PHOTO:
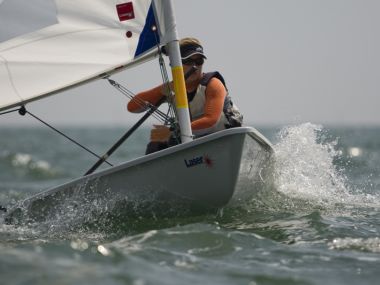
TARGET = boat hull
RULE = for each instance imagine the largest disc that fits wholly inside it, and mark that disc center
(199, 176)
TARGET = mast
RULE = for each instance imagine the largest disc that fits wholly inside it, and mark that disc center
(177, 73)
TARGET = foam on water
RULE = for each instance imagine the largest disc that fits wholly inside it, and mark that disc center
(42, 233)
(26, 164)
(305, 172)
(360, 244)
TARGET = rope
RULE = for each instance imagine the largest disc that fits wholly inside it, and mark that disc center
(22, 111)
(159, 115)
(165, 78)
(7, 112)
(172, 112)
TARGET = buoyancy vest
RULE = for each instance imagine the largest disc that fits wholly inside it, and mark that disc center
(229, 118)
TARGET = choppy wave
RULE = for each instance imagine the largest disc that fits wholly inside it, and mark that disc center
(295, 232)
(26, 165)
(188, 243)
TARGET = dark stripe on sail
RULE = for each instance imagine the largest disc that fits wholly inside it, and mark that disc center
(148, 37)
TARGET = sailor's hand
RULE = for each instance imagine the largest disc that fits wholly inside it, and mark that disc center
(160, 133)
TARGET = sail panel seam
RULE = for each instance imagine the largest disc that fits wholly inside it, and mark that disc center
(56, 36)
(11, 78)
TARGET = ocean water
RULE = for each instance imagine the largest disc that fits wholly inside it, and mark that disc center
(318, 222)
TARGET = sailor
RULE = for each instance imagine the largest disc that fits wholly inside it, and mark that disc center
(211, 108)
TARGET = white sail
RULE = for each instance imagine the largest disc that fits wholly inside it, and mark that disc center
(91, 38)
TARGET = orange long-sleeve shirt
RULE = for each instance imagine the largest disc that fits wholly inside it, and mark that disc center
(215, 95)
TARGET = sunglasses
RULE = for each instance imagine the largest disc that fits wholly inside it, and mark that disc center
(191, 61)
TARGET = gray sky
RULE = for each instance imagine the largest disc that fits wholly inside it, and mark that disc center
(285, 61)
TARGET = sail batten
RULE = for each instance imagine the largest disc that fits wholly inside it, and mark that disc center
(92, 38)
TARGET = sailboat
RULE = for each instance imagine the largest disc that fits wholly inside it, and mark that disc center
(92, 40)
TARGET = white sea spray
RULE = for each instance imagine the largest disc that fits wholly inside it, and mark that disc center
(305, 171)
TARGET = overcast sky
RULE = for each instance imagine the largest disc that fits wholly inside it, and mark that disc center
(285, 61)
